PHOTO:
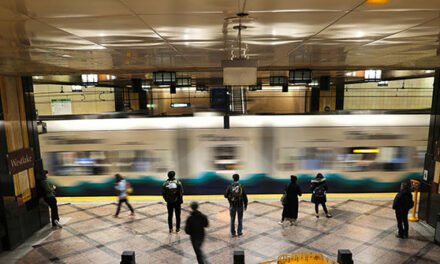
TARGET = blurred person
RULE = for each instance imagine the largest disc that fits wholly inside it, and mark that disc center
(121, 186)
(319, 196)
(172, 192)
(403, 202)
(238, 202)
(195, 227)
(290, 210)
(50, 199)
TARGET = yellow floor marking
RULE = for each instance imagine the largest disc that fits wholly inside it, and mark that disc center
(218, 197)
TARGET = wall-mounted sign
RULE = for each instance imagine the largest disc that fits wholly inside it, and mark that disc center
(20, 160)
(61, 107)
(425, 175)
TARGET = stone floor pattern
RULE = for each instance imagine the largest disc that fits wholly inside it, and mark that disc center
(367, 228)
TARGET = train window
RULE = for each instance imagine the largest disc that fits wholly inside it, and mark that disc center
(225, 158)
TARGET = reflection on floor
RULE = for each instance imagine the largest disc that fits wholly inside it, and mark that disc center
(367, 228)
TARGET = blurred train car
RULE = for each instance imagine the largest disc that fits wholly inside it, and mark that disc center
(357, 153)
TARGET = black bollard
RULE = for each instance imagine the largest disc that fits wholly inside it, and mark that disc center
(345, 256)
(128, 257)
(239, 257)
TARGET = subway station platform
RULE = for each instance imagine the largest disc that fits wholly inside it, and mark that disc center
(91, 235)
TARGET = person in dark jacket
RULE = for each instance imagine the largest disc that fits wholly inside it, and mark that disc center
(238, 202)
(195, 227)
(319, 194)
(172, 192)
(49, 198)
(290, 210)
(403, 202)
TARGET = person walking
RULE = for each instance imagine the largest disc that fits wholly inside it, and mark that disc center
(195, 227)
(121, 186)
(238, 202)
(50, 199)
(403, 202)
(319, 190)
(172, 192)
(290, 210)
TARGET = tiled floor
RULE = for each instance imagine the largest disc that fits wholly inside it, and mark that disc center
(367, 228)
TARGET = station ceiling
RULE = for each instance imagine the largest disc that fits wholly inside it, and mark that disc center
(123, 36)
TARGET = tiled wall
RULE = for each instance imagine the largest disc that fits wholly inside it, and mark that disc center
(90, 101)
(400, 94)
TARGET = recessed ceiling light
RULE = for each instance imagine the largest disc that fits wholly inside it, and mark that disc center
(360, 34)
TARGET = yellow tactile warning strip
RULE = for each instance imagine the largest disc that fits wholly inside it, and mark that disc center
(218, 197)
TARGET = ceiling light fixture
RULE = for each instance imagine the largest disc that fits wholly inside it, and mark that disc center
(373, 75)
(240, 71)
(89, 79)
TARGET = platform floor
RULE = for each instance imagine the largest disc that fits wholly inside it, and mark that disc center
(366, 227)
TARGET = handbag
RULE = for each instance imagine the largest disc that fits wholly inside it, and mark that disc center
(284, 199)
(129, 188)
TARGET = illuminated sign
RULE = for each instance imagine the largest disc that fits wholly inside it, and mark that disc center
(363, 151)
(174, 105)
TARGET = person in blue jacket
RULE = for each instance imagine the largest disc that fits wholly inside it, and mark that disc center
(403, 202)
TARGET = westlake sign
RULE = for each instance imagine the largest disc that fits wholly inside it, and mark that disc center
(20, 160)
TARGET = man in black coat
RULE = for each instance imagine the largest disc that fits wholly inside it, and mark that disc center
(195, 227)
(402, 203)
(238, 202)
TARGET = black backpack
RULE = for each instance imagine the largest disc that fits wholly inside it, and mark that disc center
(172, 192)
(235, 193)
(319, 191)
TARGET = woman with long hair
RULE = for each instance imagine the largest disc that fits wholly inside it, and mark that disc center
(121, 188)
(290, 211)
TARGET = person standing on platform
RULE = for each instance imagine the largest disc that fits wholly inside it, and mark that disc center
(238, 202)
(172, 192)
(403, 202)
(49, 198)
(319, 190)
(290, 211)
(195, 227)
(121, 186)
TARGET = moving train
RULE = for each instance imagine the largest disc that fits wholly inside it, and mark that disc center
(357, 153)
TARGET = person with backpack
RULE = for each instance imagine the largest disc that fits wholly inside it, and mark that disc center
(403, 202)
(172, 192)
(50, 199)
(195, 227)
(122, 188)
(319, 190)
(238, 202)
(290, 210)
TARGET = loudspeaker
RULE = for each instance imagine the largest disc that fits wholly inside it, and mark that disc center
(238, 257)
(324, 83)
(172, 89)
(437, 231)
(285, 88)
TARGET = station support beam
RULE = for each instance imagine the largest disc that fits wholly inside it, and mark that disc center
(429, 205)
(340, 86)
(22, 212)
(314, 102)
